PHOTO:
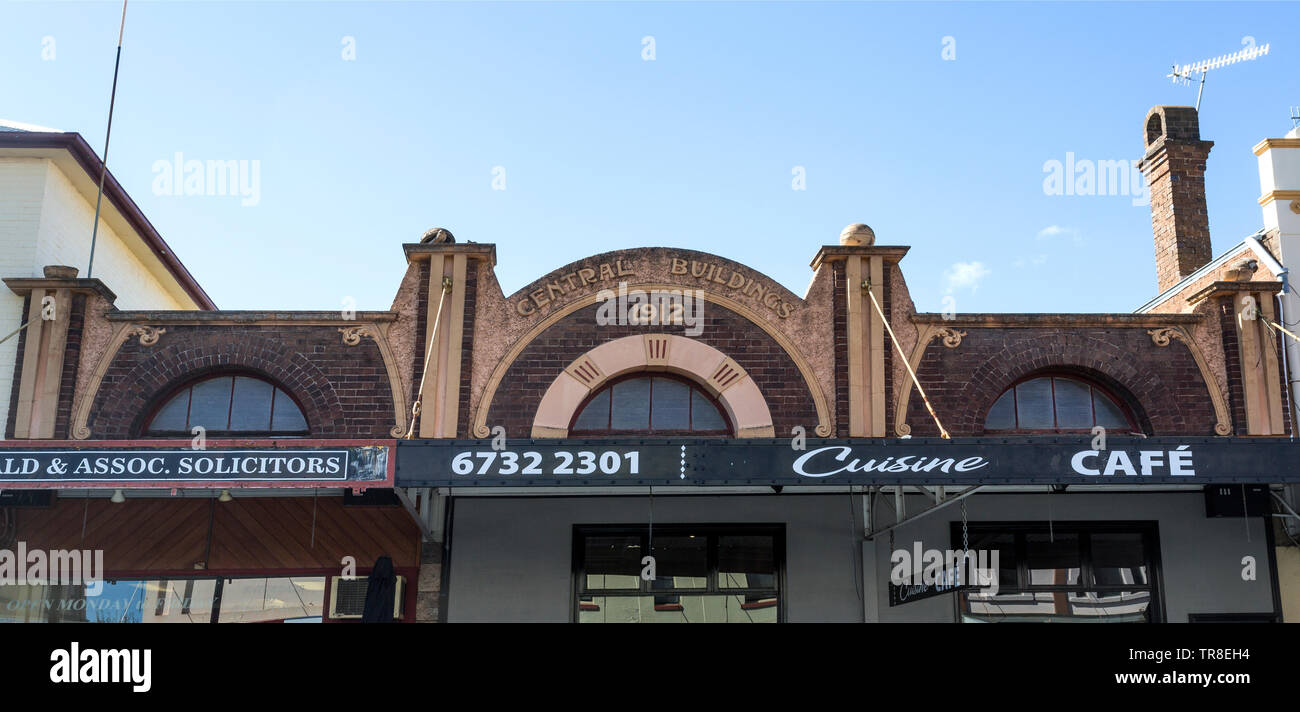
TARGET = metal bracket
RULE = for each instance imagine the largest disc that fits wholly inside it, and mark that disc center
(904, 519)
(424, 504)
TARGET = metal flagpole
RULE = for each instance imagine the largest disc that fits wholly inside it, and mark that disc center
(103, 163)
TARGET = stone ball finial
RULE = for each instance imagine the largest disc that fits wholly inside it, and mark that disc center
(438, 236)
(857, 235)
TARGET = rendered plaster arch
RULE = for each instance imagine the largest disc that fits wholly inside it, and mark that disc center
(709, 367)
(823, 428)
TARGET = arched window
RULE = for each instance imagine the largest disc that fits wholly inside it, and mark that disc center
(1055, 404)
(228, 405)
(650, 404)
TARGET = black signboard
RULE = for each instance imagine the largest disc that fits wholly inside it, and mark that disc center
(141, 466)
(689, 462)
(898, 595)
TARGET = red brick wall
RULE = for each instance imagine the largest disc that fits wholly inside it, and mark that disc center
(1161, 385)
(467, 349)
(1232, 361)
(840, 316)
(890, 354)
(68, 379)
(421, 330)
(773, 371)
(344, 390)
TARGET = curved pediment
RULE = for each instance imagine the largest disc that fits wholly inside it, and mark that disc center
(656, 266)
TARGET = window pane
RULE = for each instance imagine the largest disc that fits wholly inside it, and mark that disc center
(178, 601)
(631, 405)
(1052, 561)
(1058, 606)
(174, 601)
(747, 561)
(1034, 404)
(1002, 416)
(1073, 404)
(1119, 559)
(686, 609)
(260, 600)
(1005, 546)
(172, 415)
(287, 417)
(252, 406)
(210, 404)
(670, 405)
(1108, 414)
(1123, 607)
(705, 415)
(680, 562)
(596, 415)
(613, 562)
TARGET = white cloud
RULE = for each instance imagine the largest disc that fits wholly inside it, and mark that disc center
(1052, 231)
(1035, 260)
(965, 275)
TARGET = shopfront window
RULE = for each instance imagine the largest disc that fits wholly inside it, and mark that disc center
(228, 405)
(1065, 572)
(277, 599)
(660, 405)
(702, 575)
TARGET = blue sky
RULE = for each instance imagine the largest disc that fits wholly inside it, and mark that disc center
(602, 149)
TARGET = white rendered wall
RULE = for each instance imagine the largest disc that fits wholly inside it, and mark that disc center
(45, 221)
(1279, 169)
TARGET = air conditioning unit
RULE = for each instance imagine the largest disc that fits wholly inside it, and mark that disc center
(348, 597)
(1237, 501)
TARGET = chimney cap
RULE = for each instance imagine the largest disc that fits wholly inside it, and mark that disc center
(1172, 123)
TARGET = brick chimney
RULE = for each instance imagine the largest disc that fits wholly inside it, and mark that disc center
(1174, 166)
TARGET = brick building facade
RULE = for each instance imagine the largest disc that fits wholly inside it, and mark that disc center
(456, 359)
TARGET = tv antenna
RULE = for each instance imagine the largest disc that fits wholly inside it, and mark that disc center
(1187, 72)
(1295, 117)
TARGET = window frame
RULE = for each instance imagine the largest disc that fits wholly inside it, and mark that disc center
(608, 386)
(220, 580)
(1095, 389)
(146, 429)
(712, 532)
(1148, 530)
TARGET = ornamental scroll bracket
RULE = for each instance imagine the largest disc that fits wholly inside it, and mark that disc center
(148, 334)
(951, 337)
(352, 336)
(1161, 337)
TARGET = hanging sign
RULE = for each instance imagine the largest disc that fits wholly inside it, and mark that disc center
(906, 593)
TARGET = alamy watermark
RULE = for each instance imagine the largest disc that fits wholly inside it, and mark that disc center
(180, 176)
(1082, 176)
(946, 568)
(56, 567)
